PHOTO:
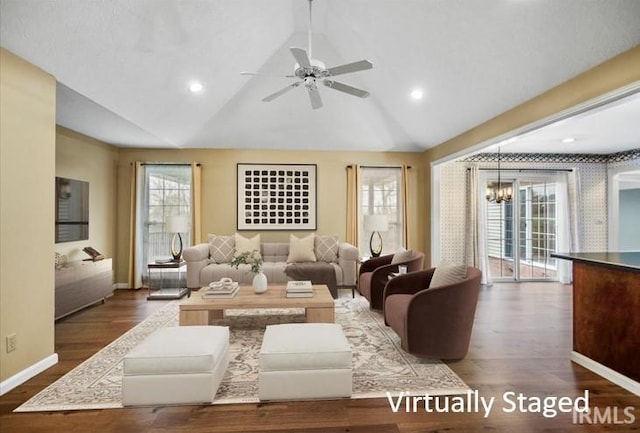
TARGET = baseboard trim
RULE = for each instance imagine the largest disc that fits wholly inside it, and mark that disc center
(120, 286)
(611, 375)
(28, 373)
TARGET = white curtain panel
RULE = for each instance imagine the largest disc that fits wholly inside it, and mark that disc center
(476, 223)
(563, 224)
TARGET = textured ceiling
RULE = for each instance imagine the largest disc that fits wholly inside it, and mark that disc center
(123, 66)
(610, 128)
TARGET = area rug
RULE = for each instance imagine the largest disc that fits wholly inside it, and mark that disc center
(379, 364)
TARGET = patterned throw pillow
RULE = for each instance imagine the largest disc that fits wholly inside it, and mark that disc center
(446, 274)
(301, 250)
(326, 248)
(243, 244)
(401, 256)
(221, 248)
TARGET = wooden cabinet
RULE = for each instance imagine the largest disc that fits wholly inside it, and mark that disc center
(80, 284)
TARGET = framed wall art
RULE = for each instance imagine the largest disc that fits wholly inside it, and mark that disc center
(277, 196)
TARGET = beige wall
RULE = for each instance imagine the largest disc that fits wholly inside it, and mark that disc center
(613, 74)
(219, 189)
(27, 171)
(84, 158)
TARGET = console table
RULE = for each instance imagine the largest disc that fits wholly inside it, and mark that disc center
(80, 284)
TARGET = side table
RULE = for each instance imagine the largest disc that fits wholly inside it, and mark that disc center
(166, 292)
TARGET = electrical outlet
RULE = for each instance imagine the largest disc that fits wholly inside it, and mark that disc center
(12, 341)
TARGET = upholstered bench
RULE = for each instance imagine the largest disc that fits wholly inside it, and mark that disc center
(304, 361)
(183, 364)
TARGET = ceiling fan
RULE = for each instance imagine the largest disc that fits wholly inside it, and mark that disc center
(311, 72)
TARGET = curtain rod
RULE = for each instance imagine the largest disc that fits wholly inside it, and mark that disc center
(525, 169)
(379, 166)
(186, 164)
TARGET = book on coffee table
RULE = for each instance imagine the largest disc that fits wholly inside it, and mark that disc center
(218, 294)
(299, 289)
(299, 294)
(299, 286)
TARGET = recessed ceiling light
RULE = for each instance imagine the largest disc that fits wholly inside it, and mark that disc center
(195, 87)
(417, 94)
(568, 140)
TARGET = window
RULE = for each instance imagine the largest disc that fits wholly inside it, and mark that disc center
(381, 193)
(167, 193)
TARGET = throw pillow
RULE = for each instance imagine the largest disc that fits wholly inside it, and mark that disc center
(221, 248)
(326, 248)
(446, 274)
(301, 250)
(243, 244)
(402, 255)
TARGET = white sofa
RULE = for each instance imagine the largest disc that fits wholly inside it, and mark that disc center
(201, 270)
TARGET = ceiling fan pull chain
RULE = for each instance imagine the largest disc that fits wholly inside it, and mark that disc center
(310, 56)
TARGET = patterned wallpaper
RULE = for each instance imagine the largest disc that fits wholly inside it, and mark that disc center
(589, 192)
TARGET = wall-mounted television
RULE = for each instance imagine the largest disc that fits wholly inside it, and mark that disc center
(72, 210)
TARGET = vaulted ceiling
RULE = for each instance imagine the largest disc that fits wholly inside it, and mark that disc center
(124, 66)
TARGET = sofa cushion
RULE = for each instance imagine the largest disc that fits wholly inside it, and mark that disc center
(326, 248)
(301, 249)
(446, 274)
(221, 248)
(247, 245)
(275, 251)
(402, 256)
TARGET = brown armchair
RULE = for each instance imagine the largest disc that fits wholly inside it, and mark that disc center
(432, 322)
(374, 274)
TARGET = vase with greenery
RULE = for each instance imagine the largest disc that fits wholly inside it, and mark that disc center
(254, 259)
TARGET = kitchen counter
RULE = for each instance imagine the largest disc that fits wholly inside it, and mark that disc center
(606, 315)
(621, 260)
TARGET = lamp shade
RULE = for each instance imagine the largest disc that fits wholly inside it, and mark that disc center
(176, 224)
(376, 223)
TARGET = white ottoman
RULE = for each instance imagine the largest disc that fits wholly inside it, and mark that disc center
(182, 364)
(304, 361)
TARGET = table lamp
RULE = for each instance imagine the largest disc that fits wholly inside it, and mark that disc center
(376, 224)
(176, 224)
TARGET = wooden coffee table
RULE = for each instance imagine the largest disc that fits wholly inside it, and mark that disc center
(198, 311)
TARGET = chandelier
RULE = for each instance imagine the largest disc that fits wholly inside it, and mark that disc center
(496, 191)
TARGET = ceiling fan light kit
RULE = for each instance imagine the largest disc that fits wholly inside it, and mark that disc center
(310, 71)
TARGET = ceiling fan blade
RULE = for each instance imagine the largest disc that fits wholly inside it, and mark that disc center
(259, 74)
(301, 57)
(347, 68)
(281, 91)
(346, 88)
(314, 96)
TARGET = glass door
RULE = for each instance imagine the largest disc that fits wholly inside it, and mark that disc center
(521, 233)
(500, 240)
(537, 229)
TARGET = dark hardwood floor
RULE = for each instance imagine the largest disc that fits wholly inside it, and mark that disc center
(521, 343)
